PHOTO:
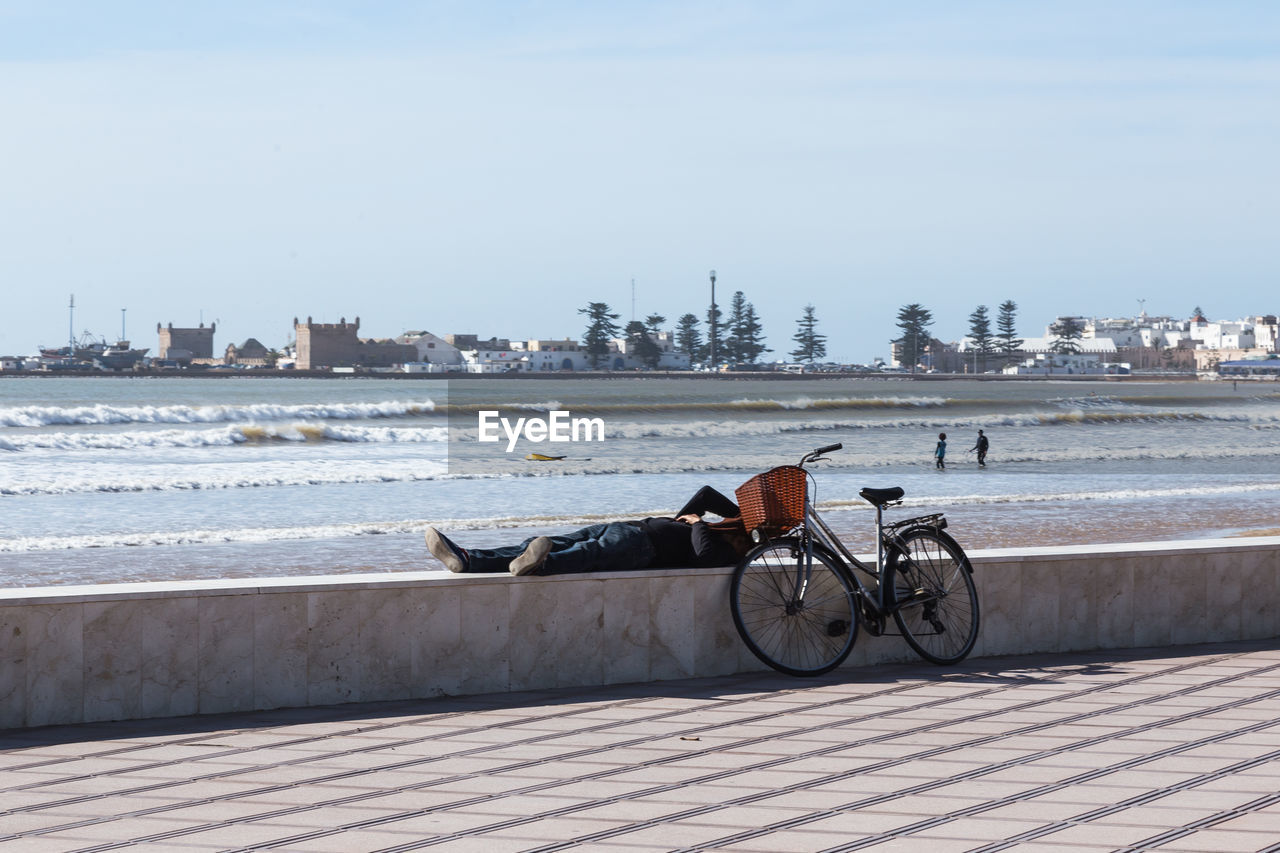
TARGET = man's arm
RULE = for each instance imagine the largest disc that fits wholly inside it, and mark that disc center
(710, 548)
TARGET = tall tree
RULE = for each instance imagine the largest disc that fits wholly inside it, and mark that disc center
(600, 330)
(715, 329)
(983, 342)
(733, 326)
(654, 324)
(1067, 331)
(1006, 323)
(689, 336)
(914, 321)
(641, 345)
(750, 336)
(810, 346)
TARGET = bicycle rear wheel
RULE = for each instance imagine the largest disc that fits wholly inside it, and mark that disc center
(797, 627)
(930, 589)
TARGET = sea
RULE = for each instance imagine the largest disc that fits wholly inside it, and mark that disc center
(118, 478)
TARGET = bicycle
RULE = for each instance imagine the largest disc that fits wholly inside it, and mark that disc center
(797, 602)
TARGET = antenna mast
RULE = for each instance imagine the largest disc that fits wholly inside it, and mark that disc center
(633, 300)
(71, 328)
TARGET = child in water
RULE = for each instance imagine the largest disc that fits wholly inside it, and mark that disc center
(940, 452)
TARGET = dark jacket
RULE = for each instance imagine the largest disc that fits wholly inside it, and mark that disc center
(680, 545)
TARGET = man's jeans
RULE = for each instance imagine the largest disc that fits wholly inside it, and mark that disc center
(614, 547)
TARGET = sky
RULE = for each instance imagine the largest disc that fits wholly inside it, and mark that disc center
(492, 167)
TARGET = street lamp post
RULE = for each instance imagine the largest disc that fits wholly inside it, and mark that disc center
(713, 321)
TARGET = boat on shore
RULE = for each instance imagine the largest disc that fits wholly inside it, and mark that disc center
(99, 353)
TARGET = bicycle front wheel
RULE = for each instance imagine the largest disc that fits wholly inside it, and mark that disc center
(796, 621)
(930, 589)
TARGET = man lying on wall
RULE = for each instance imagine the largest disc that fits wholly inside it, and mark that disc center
(682, 541)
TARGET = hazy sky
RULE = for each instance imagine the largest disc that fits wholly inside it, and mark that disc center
(491, 167)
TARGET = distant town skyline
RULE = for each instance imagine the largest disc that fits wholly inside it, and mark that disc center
(492, 167)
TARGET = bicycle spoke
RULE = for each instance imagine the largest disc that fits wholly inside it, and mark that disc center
(935, 602)
(798, 634)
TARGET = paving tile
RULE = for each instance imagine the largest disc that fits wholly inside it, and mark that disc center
(555, 829)
(978, 829)
(358, 841)
(672, 835)
(475, 769)
(790, 841)
(1089, 833)
(38, 844)
(1222, 841)
(1155, 816)
(1259, 821)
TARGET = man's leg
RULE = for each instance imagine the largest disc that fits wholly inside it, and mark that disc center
(493, 559)
(608, 547)
(708, 499)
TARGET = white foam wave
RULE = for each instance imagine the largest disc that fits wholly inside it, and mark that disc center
(803, 403)
(39, 416)
(1047, 497)
(222, 437)
(285, 473)
(248, 535)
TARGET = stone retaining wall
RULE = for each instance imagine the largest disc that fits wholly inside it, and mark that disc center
(131, 651)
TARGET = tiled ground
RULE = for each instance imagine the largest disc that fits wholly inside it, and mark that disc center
(1175, 750)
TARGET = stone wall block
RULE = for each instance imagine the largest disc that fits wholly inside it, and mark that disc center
(1000, 600)
(226, 653)
(672, 642)
(280, 637)
(625, 640)
(170, 660)
(1259, 582)
(1188, 587)
(1115, 596)
(112, 660)
(13, 667)
(387, 627)
(1152, 610)
(1043, 587)
(55, 664)
(1224, 589)
(484, 651)
(333, 648)
(717, 640)
(1078, 597)
(556, 633)
(437, 641)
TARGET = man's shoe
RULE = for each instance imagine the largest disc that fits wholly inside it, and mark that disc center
(442, 548)
(532, 558)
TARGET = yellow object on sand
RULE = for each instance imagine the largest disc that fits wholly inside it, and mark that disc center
(538, 457)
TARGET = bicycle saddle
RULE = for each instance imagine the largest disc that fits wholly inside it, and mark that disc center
(880, 497)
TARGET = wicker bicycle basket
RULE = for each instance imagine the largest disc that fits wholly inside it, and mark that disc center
(773, 502)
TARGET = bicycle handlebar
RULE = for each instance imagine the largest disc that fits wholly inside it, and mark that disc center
(815, 455)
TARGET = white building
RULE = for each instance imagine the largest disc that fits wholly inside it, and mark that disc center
(495, 361)
(432, 349)
(1049, 364)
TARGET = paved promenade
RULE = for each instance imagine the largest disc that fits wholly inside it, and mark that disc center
(1159, 749)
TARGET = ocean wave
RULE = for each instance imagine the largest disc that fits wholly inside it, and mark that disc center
(253, 433)
(222, 437)
(41, 416)
(1049, 497)
(695, 406)
(251, 535)
(80, 479)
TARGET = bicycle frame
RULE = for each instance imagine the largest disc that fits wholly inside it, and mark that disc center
(816, 529)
